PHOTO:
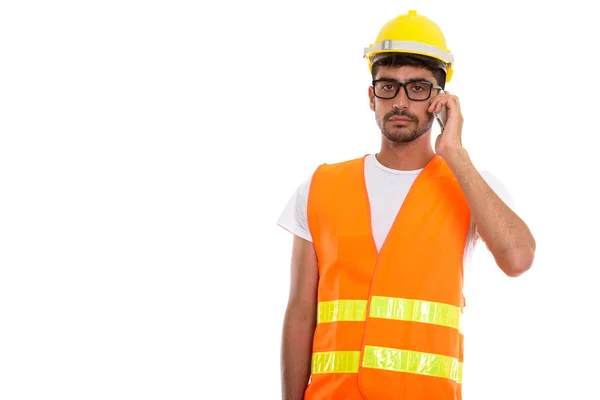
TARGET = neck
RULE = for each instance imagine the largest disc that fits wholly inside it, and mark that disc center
(406, 156)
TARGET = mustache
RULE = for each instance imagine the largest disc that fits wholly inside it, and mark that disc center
(401, 113)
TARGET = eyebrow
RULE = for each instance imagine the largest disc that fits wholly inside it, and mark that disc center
(411, 80)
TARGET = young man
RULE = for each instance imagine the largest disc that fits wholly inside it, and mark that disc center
(380, 241)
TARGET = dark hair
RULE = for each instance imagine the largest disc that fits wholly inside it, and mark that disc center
(414, 60)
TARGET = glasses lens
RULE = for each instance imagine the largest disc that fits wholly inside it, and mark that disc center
(418, 90)
(386, 90)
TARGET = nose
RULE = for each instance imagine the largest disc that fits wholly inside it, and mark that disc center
(401, 100)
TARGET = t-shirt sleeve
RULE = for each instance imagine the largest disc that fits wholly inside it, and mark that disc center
(294, 217)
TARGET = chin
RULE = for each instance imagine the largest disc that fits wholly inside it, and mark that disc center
(399, 138)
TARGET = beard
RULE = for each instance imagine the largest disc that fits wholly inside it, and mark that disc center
(404, 133)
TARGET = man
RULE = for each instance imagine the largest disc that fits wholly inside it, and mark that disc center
(380, 241)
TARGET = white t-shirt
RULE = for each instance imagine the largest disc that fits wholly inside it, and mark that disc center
(387, 189)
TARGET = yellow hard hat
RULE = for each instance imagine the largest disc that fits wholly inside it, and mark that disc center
(415, 34)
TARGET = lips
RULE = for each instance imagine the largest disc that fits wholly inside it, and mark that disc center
(400, 121)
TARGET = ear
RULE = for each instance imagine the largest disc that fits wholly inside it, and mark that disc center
(371, 98)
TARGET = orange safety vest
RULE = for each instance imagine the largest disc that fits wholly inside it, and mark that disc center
(388, 323)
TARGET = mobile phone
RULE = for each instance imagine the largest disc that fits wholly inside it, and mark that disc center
(441, 117)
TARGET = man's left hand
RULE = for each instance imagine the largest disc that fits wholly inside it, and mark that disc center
(450, 140)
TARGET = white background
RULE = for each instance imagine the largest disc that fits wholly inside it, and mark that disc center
(147, 149)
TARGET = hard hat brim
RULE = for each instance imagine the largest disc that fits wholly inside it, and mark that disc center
(409, 47)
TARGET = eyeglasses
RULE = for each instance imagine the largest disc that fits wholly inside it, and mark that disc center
(416, 90)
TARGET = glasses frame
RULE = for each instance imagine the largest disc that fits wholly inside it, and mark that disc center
(403, 85)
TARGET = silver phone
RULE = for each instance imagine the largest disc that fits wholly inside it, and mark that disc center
(441, 117)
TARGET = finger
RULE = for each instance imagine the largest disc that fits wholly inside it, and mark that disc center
(433, 101)
(440, 104)
(454, 103)
(433, 106)
(451, 102)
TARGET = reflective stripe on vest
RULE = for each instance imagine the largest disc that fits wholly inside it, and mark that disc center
(428, 312)
(388, 359)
